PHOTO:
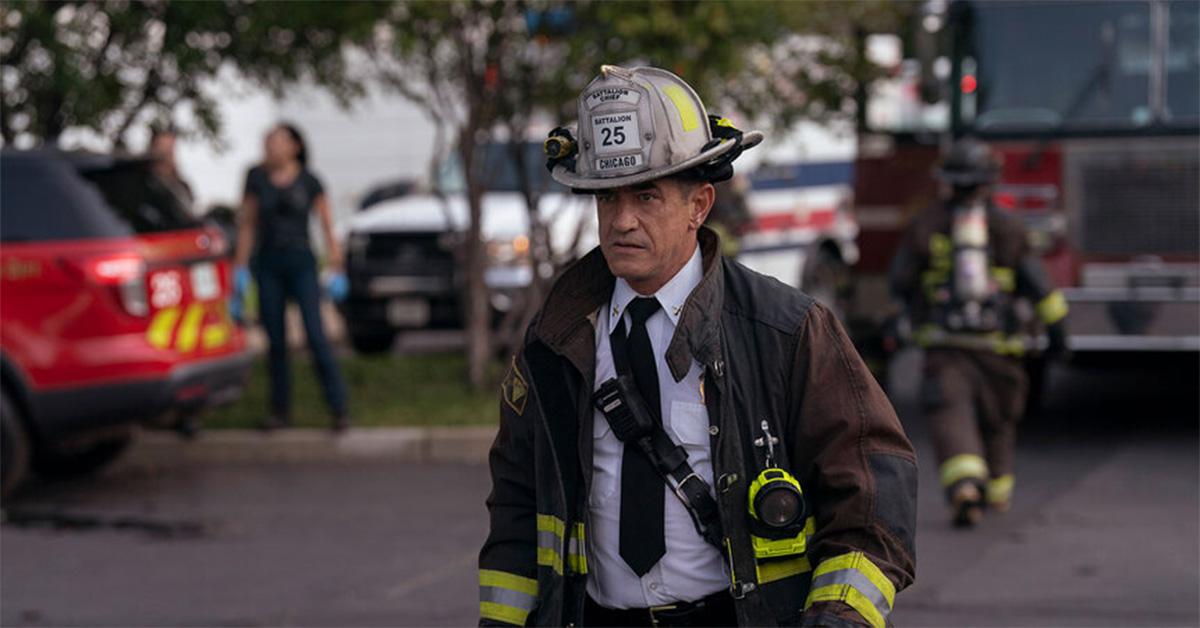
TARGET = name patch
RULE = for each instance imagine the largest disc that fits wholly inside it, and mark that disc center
(611, 94)
(614, 163)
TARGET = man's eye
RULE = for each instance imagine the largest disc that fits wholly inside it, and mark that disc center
(645, 197)
(604, 198)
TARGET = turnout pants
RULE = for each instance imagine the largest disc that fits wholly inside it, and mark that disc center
(973, 400)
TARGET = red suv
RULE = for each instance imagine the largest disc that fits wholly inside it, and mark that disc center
(113, 311)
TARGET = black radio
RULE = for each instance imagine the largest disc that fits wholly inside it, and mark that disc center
(618, 400)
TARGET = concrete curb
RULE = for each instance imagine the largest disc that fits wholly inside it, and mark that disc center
(385, 444)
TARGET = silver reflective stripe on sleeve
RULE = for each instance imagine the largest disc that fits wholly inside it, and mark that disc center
(860, 582)
(507, 597)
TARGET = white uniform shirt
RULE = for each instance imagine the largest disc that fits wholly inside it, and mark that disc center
(691, 568)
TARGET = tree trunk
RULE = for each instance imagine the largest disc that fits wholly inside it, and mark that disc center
(477, 306)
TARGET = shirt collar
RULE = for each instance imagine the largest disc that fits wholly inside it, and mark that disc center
(671, 296)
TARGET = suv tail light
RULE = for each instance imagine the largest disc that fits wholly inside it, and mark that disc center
(125, 273)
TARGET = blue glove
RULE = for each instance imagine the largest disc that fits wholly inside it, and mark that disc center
(241, 284)
(338, 287)
(241, 281)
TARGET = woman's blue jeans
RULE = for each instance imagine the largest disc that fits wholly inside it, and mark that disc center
(284, 274)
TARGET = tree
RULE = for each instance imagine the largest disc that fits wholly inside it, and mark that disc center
(107, 66)
(447, 57)
(478, 68)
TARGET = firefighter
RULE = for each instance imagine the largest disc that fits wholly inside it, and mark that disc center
(683, 441)
(960, 272)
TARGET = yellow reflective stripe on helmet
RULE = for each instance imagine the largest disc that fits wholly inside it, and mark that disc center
(999, 490)
(1005, 278)
(1053, 308)
(506, 597)
(161, 326)
(688, 116)
(854, 580)
(961, 467)
(189, 329)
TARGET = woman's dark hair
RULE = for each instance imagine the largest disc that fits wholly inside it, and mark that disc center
(298, 138)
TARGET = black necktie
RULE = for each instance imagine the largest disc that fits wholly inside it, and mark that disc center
(642, 543)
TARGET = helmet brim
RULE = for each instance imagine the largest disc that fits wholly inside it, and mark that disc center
(561, 174)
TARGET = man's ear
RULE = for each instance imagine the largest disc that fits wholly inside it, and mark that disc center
(700, 203)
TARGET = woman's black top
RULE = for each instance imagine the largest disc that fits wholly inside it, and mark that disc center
(282, 211)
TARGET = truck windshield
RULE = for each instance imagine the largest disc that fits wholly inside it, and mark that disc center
(1082, 65)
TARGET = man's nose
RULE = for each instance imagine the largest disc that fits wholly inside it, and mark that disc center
(626, 218)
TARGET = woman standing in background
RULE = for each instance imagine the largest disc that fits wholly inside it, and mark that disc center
(273, 242)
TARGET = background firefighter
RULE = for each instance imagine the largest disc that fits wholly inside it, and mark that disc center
(960, 274)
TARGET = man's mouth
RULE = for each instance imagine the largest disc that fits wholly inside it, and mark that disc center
(627, 246)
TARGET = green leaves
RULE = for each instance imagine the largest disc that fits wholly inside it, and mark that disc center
(108, 65)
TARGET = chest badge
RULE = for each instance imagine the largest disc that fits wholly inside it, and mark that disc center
(514, 390)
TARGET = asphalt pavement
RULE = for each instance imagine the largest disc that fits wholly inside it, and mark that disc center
(1103, 531)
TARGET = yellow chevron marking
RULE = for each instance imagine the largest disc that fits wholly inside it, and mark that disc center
(159, 332)
(189, 329)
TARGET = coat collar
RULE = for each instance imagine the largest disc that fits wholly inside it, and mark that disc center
(567, 323)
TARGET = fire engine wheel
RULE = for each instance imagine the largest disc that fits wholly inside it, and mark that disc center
(14, 448)
(80, 462)
(827, 280)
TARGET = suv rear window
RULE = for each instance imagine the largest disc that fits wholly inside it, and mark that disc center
(139, 199)
(43, 198)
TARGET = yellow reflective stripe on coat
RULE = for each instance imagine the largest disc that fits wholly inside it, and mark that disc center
(996, 342)
(1005, 278)
(1053, 308)
(506, 597)
(999, 490)
(577, 550)
(550, 535)
(961, 467)
(854, 580)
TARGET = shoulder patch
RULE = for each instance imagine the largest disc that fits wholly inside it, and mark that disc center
(514, 390)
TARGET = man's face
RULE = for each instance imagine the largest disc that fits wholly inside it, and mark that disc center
(648, 231)
(163, 149)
